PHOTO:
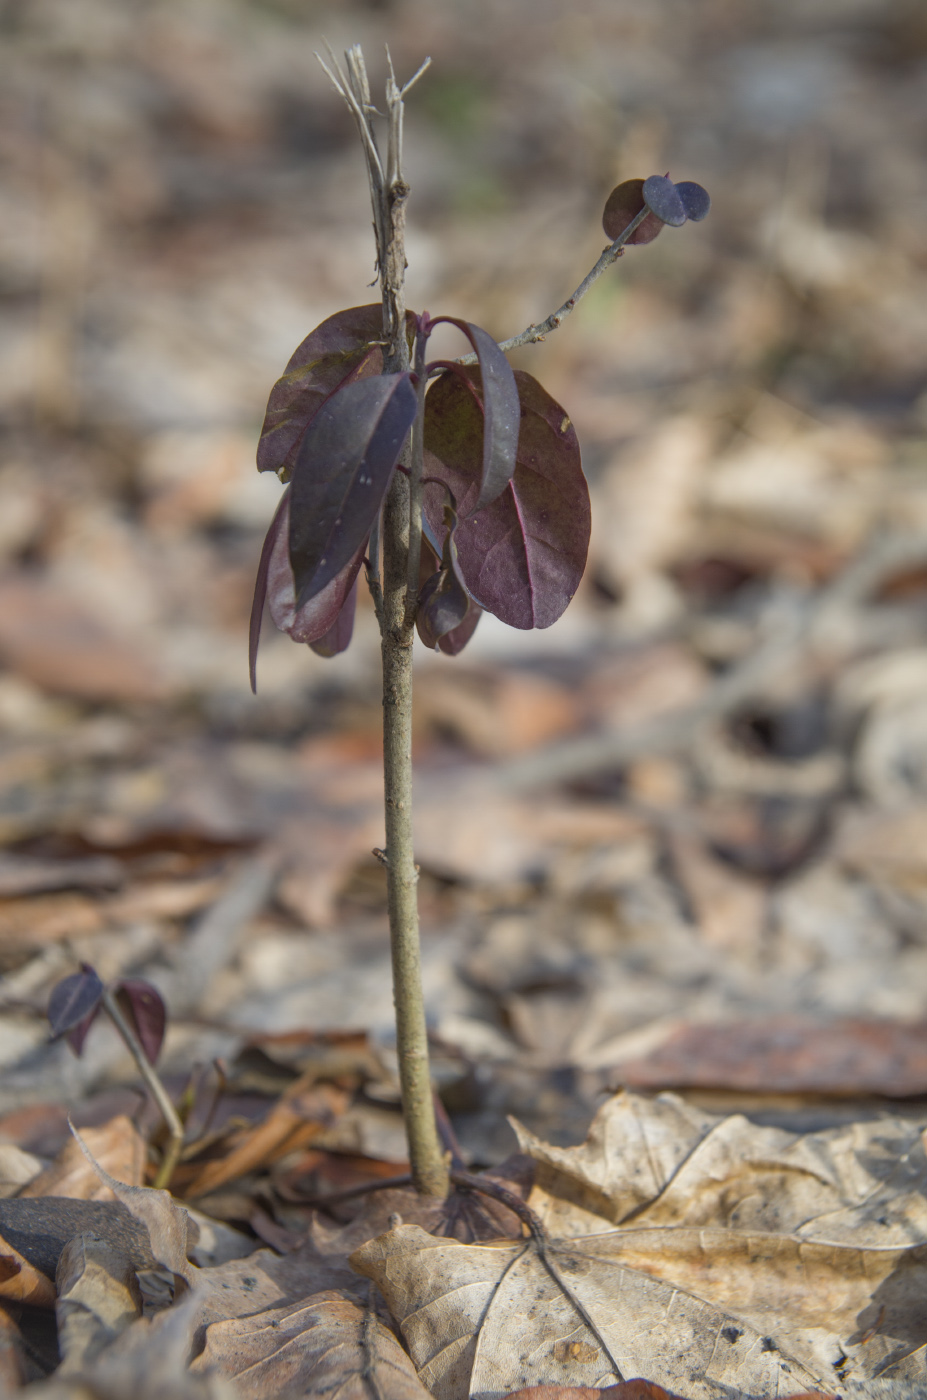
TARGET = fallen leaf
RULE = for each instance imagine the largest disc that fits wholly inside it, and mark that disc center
(21, 1282)
(98, 1296)
(165, 1222)
(326, 1343)
(40, 1228)
(491, 1318)
(297, 1119)
(788, 1055)
(117, 1146)
(662, 1162)
(12, 1358)
(691, 1309)
(61, 646)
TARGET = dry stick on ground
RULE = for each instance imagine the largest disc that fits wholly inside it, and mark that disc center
(389, 192)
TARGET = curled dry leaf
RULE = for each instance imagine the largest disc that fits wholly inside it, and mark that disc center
(323, 1345)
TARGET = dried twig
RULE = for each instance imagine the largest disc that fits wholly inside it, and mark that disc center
(532, 334)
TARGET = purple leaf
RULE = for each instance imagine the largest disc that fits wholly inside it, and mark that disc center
(443, 603)
(695, 199)
(274, 585)
(624, 204)
(278, 527)
(344, 465)
(74, 1000)
(338, 637)
(453, 643)
(501, 411)
(334, 354)
(523, 555)
(143, 1008)
(663, 199)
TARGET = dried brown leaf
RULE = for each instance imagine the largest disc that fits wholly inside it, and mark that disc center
(664, 1162)
(300, 1117)
(326, 1343)
(21, 1282)
(692, 1310)
(117, 1147)
(165, 1222)
(98, 1297)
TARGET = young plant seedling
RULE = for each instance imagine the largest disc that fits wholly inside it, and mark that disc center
(138, 1013)
(456, 485)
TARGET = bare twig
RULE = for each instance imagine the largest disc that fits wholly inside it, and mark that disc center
(532, 334)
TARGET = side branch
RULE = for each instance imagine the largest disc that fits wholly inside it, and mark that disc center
(532, 334)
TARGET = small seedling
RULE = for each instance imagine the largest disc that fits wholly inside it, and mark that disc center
(137, 1011)
(455, 485)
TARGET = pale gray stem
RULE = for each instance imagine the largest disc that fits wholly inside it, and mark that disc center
(532, 334)
(155, 1088)
(389, 193)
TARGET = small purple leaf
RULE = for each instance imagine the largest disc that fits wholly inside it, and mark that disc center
(453, 643)
(336, 353)
(663, 199)
(695, 199)
(443, 603)
(501, 411)
(344, 466)
(74, 1000)
(143, 1008)
(314, 619)
(338, 637)
(523, 555)
(278, 527)
(622, 206)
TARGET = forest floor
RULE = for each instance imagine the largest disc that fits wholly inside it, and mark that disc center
(676, 846)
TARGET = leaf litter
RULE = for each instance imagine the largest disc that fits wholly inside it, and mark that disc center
(722, 894)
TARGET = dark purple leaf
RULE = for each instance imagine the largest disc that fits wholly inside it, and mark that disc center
(78, 1035)
(143, 1008)
(335, 353)
(663, 199)
(73, 1000)
(695, 199)
(523, 555)
(442, 606)
(443, 603)
(344, 465)
(501, 411)
(624, 204)
(338, 637)
(453, 643)
(275, 585)
(278, 528)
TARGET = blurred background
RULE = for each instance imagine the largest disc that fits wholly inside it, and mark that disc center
(678, 840)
